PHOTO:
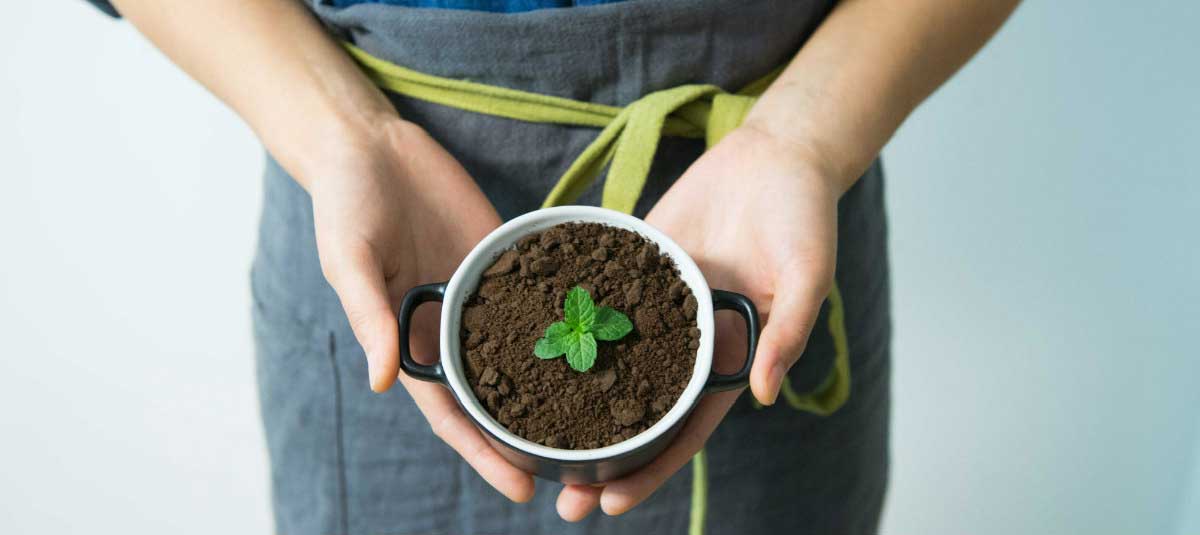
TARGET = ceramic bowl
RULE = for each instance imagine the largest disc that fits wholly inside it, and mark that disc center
(573, 466)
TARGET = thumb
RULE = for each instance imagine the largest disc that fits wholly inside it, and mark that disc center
(357, 276)
(794, 310)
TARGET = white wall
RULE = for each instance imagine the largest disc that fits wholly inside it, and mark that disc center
(1045, 209)
(128, 201)
(1047, 284)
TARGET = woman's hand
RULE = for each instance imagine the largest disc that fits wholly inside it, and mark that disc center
(394, 210)
(759, 216)
(758, 212)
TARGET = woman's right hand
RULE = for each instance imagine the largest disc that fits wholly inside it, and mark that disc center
(393, 210)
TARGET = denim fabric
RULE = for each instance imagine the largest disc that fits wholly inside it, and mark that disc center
(345, 460)
(498, 6)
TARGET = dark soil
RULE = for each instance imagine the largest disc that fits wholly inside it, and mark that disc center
(635, 380)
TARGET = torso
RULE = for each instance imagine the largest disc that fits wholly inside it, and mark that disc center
(346, 460)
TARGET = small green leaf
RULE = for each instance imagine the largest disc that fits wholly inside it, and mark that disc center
(583, 324)
(579, 311)
(581, 353)
(545, 349)
(555, 341)
(610, 324)
(558, 329)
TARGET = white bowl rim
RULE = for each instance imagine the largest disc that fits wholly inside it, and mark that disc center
(467, 276)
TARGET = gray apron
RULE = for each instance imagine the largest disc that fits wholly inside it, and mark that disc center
(345, 460)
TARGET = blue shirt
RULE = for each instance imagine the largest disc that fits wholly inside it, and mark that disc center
(497, 6)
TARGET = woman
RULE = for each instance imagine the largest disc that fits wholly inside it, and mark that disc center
(368, 193)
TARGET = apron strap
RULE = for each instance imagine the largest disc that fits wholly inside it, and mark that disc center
(626, 145)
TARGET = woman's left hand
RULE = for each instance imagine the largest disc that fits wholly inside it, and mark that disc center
(759, 216)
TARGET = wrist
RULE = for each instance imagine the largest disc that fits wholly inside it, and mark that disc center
(811, 154)
(336, 143)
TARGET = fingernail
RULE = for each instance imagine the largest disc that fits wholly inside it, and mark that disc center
(372, 378)
(775, 379)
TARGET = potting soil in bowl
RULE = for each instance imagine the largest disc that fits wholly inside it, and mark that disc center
(635, 380)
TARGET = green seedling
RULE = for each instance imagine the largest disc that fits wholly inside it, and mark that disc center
(583, 323)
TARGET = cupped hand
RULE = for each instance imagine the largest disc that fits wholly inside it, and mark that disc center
(759, 216)
(392, 211)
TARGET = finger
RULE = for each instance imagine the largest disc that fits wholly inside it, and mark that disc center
(623, 494)
(575, 502)
(794, 311)
(357, 276)
(452, 426)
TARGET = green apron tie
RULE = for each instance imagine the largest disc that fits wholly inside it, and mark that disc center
(629, 137)
(626, 145)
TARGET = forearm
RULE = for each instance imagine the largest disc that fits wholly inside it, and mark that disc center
(273, 63)
(865, 69)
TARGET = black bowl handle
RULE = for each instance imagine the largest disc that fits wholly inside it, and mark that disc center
(416, 297)
(723, 300)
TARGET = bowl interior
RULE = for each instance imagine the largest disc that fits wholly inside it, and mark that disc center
(467, 277)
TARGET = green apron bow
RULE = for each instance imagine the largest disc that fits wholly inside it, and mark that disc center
(628, 142)
(629, 137)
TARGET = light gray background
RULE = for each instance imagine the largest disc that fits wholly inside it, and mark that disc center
(1044, 207)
